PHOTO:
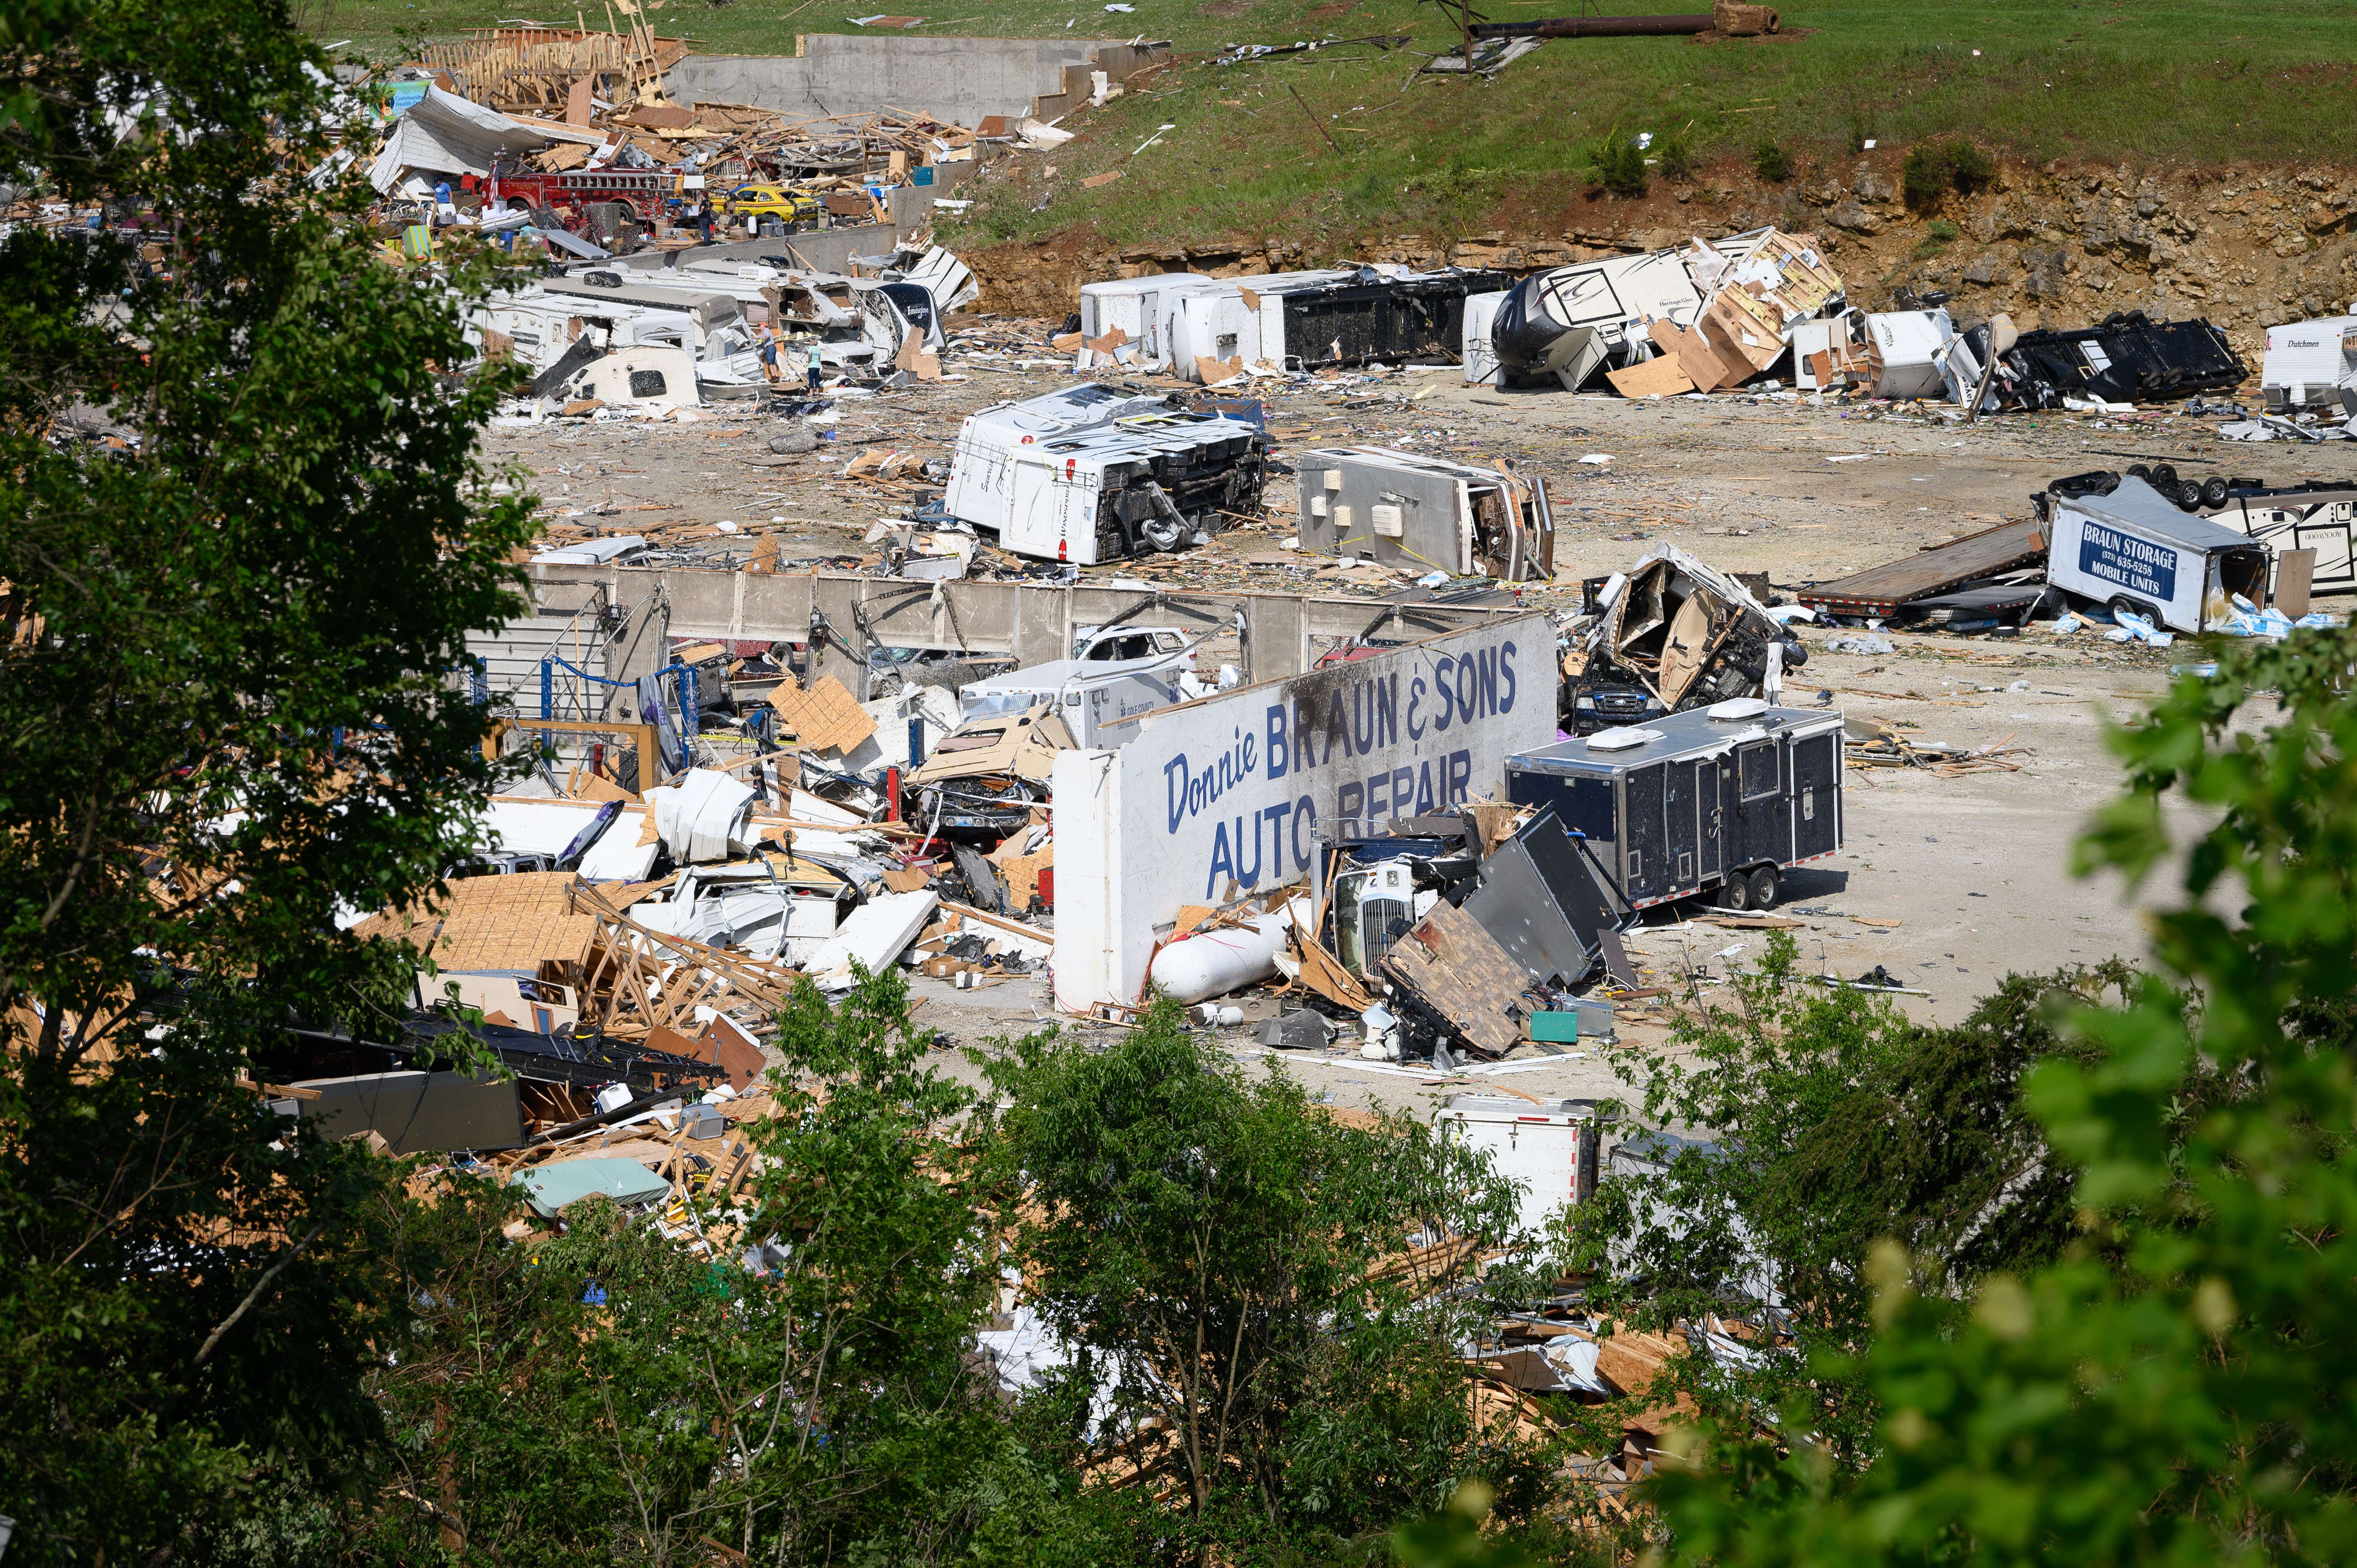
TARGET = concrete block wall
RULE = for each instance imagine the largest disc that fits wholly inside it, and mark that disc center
(958, 81)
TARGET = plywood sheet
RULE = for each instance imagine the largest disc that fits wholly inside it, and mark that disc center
(494, 922)
(1458, 971)
(824, 717)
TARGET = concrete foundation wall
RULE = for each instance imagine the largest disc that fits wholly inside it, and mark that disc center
(958, 81)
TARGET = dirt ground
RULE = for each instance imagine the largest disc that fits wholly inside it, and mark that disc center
(1970, 876)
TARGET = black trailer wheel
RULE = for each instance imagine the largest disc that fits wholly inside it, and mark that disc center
(1764, 886)
(1736, 892)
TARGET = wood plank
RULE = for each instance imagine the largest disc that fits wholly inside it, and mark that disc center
(2008, 547)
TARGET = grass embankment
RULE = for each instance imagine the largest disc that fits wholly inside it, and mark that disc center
(1347, 142)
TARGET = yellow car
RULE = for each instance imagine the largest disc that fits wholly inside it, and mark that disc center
(767, 201)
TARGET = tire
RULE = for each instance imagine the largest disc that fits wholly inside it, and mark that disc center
(2163, 477)
(2213, 491)
(1735, 894)
(1765, 887)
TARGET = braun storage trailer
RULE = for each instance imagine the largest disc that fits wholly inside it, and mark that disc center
(1724, 797)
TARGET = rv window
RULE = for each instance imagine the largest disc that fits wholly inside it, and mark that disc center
(1758, 765)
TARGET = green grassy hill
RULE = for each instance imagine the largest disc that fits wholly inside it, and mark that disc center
(1351, 139)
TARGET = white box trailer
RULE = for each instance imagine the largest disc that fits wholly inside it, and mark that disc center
(1548, 1150)
(1424, 513)
(2306, 361)
(2133, 549)
(1091, 474)
(1142, 308)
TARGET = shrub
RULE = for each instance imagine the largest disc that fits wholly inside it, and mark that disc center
(1969, 169)
(1618, 164)
(1924, 179)
(1676, 152)
(1772, 163)
(1933, 168)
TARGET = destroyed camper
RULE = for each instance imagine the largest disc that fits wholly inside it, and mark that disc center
(1093, 473)
(1726, 798)
(1425, 514)
(1673, 634)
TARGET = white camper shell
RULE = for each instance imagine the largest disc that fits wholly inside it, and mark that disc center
(1090, 474)
(1424, 513)
(2309, 362)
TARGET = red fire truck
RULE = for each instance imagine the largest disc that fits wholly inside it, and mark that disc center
(644, 193)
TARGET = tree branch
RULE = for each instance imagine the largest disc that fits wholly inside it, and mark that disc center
(204, 1352)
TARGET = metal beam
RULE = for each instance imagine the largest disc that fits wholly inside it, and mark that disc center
(1027, 621)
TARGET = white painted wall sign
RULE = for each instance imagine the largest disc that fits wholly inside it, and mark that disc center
(1226, 789)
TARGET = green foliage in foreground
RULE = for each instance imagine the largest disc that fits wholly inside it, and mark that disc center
(2173, 1387)
(227, 636)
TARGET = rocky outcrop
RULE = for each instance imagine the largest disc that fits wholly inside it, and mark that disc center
(2052, 245)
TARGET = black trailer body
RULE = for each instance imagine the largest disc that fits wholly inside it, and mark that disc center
(1381, 320)
(1711, 798)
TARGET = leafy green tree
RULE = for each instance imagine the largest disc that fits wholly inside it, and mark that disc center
(1232, 1264)
(242, 539)
(1834, 1121)
(799, 1392)
(2173, 1388)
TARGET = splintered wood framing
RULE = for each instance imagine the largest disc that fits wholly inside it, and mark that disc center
(637, 980)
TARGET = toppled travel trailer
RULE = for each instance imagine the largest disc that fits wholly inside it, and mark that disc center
(2309, 363)
(1374, 317)
(2131, 548)
(1140, 309)
(642, 378)
(1315, 320)
(1091, 474)
(1426, 513)
(2317, 519)
(2129, 357)
(1673, 634)
(1722, 799)
(1573, 321)
(1726, 308)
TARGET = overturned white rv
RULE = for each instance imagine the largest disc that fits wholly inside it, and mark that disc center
(1092, 474)
(1139, 310)
(1571, 322)
(1726, 308)
(1425, 514)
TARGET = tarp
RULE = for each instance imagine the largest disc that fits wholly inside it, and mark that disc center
(443, 133)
